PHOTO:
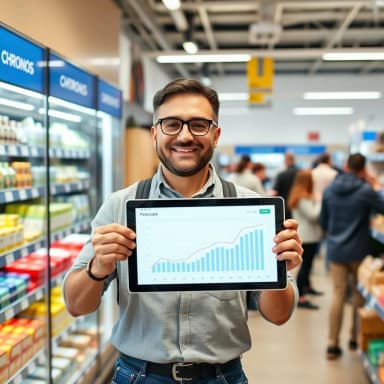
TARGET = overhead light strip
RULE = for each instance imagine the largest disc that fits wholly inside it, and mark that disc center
(369, 95)
(353, 56)
(233, 96)
(173, 59)
(323, 111)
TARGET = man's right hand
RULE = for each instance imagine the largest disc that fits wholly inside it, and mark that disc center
(111, 243)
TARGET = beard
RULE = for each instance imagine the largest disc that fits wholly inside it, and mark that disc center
(180, 170)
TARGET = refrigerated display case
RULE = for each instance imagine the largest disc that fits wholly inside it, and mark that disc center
(24, 344)
(52, 180)
(111, 146)
(72, 184)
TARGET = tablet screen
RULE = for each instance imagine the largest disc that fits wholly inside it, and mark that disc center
(205, 244)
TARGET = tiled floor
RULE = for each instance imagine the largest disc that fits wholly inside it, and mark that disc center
(295, 352)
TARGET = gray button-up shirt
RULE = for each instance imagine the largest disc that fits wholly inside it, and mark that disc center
(180, 326)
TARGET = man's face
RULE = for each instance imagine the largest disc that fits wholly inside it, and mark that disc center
(185, 154)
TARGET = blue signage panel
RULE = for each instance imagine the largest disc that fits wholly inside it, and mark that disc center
(296, 149)
(109, 99)
(21, 62)
(369, 136)
(70, 83)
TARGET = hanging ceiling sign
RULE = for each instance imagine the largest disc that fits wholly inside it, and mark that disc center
(70, 83)
(109, 99)
(260, 80)
(22, 62)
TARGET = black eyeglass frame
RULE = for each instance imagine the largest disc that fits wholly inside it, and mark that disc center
(210, 122)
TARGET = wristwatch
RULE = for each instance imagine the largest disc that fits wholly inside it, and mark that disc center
(91, 275)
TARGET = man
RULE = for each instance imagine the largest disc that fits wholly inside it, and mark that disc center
(347, 206)
(243, 175)
(323, 174)
(179, 336)
(284, 180)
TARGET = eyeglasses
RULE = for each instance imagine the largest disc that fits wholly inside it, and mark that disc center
(172, 126)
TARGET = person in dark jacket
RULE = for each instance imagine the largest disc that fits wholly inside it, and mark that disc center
(347, 206)
(284, 181)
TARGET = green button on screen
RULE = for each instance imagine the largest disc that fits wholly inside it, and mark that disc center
(264, 211)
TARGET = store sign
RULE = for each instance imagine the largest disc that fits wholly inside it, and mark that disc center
(21, 62)
(70, 83)
(296, 149)
(109, 99)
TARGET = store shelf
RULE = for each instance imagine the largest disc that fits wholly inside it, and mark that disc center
(21, 150)
(21, 304)
(371, 301)
(86, 366)
(59, 153)
(58, 189)
(79, 227)
(12, 195)
(19, 376)
(18, 253)
(370, 369)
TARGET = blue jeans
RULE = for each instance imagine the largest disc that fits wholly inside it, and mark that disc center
(134, 372)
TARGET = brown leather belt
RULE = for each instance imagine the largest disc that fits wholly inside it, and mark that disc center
(185, 371)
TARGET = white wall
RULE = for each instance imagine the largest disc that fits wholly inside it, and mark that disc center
(243, 125)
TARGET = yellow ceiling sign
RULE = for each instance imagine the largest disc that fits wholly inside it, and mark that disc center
(260, 79)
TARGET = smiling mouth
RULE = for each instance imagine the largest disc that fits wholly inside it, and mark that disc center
(184, 150)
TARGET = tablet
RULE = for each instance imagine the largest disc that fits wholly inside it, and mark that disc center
(205, 244)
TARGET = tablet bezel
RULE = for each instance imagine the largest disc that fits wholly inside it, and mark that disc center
(134, 286)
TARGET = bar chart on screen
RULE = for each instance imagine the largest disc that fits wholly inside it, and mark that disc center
(230, 245)
(246, 253)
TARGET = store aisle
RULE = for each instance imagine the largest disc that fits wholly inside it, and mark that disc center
(295, 352)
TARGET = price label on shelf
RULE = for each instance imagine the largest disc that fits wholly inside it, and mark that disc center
(24, 151)
(8, 196)
(12, 149)
(10, 313)
(23, 194)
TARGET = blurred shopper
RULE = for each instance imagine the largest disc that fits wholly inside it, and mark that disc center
(284, 180)
(305, 209)
(260, 171)
(243, 176)
(323, 174)
(347, 206)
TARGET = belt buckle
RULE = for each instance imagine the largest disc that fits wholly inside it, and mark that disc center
(175, 373)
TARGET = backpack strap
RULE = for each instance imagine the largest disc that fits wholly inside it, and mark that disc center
(229, 189)
(143, 189)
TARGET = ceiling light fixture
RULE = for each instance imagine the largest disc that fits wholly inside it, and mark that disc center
(323, 111)
(190, 47)
(17, 104)
(233, 96)
(353, 56)
(225, 58)
(172, 5)
(370, 95)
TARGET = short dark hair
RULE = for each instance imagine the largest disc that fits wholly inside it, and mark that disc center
(324, 158)
(356, 162)
(183, 86)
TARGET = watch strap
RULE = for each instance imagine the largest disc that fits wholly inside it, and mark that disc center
(91, 275)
